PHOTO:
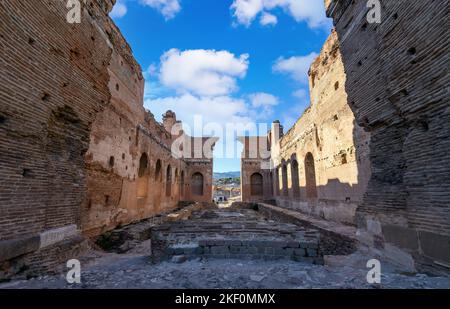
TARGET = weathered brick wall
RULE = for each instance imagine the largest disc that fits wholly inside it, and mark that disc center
(326, 131)
(397, 84)
(72, 132)
(53, 80)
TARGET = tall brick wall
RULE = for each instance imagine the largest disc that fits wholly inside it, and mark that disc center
(397, 86)
(72, 132)
(53, 79)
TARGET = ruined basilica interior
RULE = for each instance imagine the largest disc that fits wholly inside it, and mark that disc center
(84, 165)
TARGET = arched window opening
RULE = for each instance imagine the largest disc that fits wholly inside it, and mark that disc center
(285, 180)
(256, 184)
(310, 174)
(142, 185)
(182, 184)
(158, 174)
(295, 179)
(197, 184)
(169, 181)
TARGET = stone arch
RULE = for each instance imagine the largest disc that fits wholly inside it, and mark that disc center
(158, 173)
(256, 184)
(169, 181)
(197, 184)
(310, 176)
(142, 185)
(295, 179)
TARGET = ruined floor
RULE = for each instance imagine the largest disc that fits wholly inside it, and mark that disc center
(196, 251)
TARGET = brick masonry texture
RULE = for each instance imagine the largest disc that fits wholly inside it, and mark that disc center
(373, 148)
(77, 146)
(397, 86)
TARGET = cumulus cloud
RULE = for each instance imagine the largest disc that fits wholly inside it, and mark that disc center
(202, 72)
(268, 19)
(119, 10)
(262, 99)
(168, 8)
(310, 11)
(297, 67)
(262, 105)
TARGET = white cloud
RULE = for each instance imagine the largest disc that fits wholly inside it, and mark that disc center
(219, 109)
(268, 19)
(168, 8)
(202, 72)
(119, 10)
(297, 67)
(310, 11)
(262, 99)
(262, 105)
(246, 10)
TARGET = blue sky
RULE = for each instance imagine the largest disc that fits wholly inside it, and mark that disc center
(232, 61)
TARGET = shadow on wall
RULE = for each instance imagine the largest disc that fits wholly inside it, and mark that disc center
(397, 71)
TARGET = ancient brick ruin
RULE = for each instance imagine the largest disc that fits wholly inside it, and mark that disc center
(79, 153)
(80, 156)
(372, 150)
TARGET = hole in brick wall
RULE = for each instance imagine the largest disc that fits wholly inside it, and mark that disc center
(347, 199)
(117, 87)
(26, 173)
(364, 27)
(2, 119)
(359, 63)
(65, 84)
(111, 161)
(92, 38)
(31, 41)
(336, 86)
(424, 125)
(106, 199)
(89, 205)
(335, 117)
(377, 100)
(344, 158)
(395, 15)
(123, 156)
(412, 51)
(45, 97)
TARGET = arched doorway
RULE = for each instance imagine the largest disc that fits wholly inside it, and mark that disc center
(169, 181)
(197, 184)
(295, 179)
(142, 185)
(310, 175)
(256, 184)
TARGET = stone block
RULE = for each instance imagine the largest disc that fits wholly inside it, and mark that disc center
(15, 247)
(311, 252)
(300, 252)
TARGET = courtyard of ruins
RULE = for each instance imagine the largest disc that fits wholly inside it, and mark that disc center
(90, 174)
(204, 247)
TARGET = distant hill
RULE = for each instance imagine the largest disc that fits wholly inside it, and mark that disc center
(227, 175)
